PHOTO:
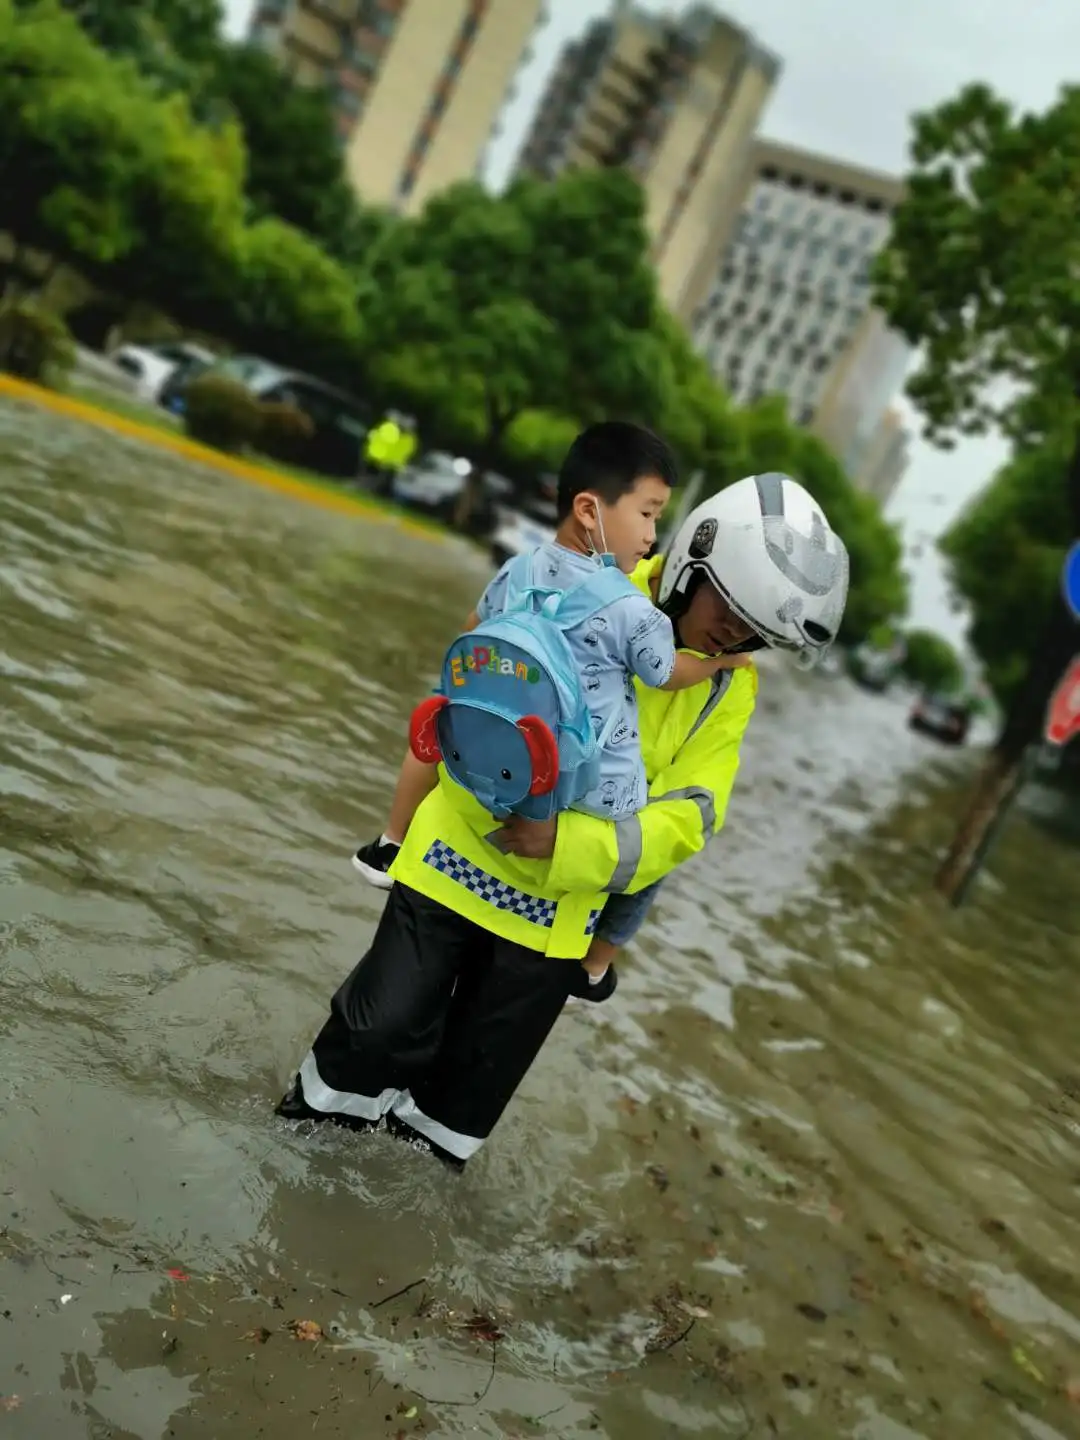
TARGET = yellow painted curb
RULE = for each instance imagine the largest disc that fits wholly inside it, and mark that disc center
(311, 492)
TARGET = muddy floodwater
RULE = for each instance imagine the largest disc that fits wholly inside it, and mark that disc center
(814, 1173)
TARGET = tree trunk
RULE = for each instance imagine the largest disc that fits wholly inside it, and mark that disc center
(473, 489)
(1004, 770)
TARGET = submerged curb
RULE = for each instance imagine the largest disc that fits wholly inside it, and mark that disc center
(309, 491)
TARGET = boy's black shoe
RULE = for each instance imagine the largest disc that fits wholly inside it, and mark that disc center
(374, 860)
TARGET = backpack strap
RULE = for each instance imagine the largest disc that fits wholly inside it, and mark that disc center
(520, 590)
(591, 595)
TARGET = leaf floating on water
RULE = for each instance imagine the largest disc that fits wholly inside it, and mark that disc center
(260, 1334)
(698, 1312)
(482, 1327)
(305, 1330)
(1026, 1365)
(812, 1312)
(406, 1411)
(10, 1402)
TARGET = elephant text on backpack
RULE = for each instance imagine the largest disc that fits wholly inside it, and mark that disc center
(509, 719)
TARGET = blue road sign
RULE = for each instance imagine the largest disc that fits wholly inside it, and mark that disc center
(1070, 580)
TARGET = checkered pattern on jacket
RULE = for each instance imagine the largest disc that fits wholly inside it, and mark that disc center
(503, 896)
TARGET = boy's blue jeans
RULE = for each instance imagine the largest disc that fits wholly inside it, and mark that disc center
(624, 915)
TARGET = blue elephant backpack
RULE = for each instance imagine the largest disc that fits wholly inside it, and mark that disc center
(509, 719)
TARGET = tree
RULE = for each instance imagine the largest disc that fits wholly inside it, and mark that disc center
(173, 42)
(294, 156)
(541, 298)
(293, 303)
(1004, 556)
(186, 207)
(99, 168)
(931, 662)
(983, 273)
(72, 146)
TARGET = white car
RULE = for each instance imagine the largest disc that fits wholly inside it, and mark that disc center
(151, 365)
(522, 530)
(432, 482)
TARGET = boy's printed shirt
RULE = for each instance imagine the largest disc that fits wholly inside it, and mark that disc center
(631, 637)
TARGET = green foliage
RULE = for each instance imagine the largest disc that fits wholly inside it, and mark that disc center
(221, 412)
(34, 343)
(540, 298)
(982, 274)
(294, 155)
(163, 36)
(284, 432)
(1005, 555)
(931, 662)
(980, 270)
(291, 299)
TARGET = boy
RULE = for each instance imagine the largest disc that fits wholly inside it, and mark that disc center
(612, 488)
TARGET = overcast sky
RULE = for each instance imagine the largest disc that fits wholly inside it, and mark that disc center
(853, 71)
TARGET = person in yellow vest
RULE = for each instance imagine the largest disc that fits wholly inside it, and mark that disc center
(485, 928)
(390, 446)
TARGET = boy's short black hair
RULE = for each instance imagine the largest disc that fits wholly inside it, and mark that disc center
(609, 459)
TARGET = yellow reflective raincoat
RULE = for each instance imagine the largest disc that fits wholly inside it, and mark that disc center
(690, 743)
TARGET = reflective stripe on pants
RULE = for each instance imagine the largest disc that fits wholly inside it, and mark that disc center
(435, 1028)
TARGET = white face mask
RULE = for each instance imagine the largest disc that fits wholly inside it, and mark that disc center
(603, 556)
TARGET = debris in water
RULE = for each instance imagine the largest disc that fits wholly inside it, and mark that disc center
(260, 1335)
(659, 1176)
(305, 1330)
(175, 1273)
(812, 1312)
(10, 1402)
(482, 1327)
(407, 1411)
(66, 1299)
(672, 1307)
(1021, 1360)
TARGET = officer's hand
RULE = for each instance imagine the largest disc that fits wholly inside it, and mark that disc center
(531, 839)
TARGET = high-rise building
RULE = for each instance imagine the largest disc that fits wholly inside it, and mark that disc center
(790, 308)
(417, 84)
(674, 100)
(885, 460)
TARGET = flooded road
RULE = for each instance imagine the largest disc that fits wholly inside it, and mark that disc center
(815, 1172)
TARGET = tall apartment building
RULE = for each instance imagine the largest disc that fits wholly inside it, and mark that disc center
(885, 459)
(417, 84)
(674, 100)
(790, 312)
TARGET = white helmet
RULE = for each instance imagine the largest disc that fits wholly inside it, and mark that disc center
(765, 544)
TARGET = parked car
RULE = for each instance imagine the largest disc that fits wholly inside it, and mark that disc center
(524, 527)
(150, 366)
(341, 422)
(432, 482)
(945, 719)
(433, 485)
